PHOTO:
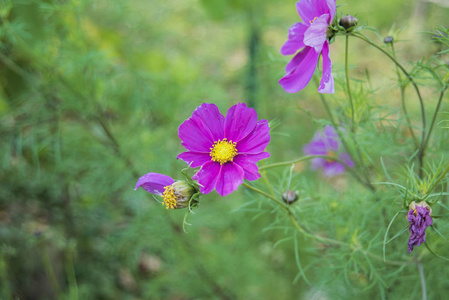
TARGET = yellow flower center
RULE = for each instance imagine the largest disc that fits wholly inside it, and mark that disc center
(223, 151)
(169, 197)
(313, 20)
(331, 154)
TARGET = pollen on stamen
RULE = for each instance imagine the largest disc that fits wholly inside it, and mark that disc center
(169, 197)
(223, 151)
(313, 20)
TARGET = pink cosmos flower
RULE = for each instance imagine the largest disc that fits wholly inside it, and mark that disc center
(226, 148)
(311, 37)
(327, 143)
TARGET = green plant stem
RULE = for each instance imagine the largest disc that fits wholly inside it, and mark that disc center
(348, 84)
(343, 140)
(443, 174)
(418, 93)
(432, 123)
(404, 107)
(308, 157)
(422, 278)
(308, 233)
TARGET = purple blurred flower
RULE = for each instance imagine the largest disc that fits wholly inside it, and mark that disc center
(311, 37)
(226, 148)
(176, 194)
(326, 142)
(420, 218)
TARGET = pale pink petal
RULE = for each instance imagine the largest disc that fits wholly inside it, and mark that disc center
(300, 70)
(315, 35)
(231, 176)
(194, 159)
(327, 80)
(331, 4)
(240, 121)
(295, 39)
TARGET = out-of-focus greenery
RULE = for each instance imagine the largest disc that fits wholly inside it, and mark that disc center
(91, 96)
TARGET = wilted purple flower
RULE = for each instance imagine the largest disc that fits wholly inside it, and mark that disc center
(327, 143)
(311, 37)
(420, 218)
(176, 194)
(226, 148)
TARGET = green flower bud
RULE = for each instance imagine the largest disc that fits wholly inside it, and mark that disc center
(347, 22)
(289, 196)
(388, 40)
(178, 194)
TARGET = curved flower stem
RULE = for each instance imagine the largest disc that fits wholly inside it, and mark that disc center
(308, 233)
(348, 84)
(404, 107)
(418, 93)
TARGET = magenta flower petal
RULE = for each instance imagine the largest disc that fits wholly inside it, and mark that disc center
(333, 168)
(231, 176)
(207, 176)
(236, 144)
(317, 16)
(295, 39)
(308, 10)
(240, 121)
(300, 70)
(205, 126)
(327, 143)
(331, 4)
(257, 140)
(327, 80)
(248, 164)
(194, 159)
(315, 35)
(154, 183)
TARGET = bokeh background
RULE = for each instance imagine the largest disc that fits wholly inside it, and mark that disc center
(91, 96)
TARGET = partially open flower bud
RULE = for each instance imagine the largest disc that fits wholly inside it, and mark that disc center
(388, 40)
(348, 22)
(177, 195)
(419, 217)
(289, 196)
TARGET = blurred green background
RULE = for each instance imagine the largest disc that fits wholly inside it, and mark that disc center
(91, 96)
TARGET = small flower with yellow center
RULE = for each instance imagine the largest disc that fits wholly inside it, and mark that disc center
(176, 194)
(223, 151)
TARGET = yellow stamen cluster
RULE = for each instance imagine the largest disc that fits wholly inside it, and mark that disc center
(223, 151)
(169, 197)
(313, 20)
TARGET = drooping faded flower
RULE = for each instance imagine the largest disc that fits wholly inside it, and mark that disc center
(312, 37)
(176, 194)
(420, 218)
(326, 142)
(226, 148)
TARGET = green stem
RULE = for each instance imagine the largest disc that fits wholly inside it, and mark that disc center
(348, 84)
(422, 278)
(440, 100)
(308, 233)
(418, 93)
(404, 108)
(343, 140)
